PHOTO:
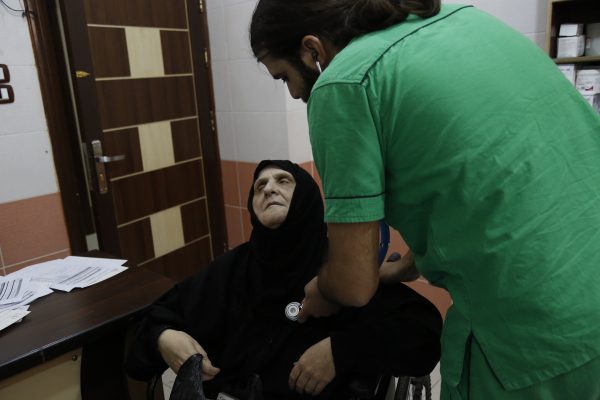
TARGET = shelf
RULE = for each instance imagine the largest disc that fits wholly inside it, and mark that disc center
(578, 60)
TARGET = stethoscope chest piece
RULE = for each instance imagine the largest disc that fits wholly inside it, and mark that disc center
(292, 310)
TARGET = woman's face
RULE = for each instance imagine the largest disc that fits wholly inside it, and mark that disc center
(273, 192)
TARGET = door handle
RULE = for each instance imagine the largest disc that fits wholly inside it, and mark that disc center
(105, 159)
(100, 160)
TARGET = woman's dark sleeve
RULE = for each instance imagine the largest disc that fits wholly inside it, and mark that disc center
(168, 312)
(397, 333)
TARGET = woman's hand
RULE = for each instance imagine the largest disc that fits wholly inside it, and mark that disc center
(176, 347)
(314, 370)
(402, 270)
(314, 304)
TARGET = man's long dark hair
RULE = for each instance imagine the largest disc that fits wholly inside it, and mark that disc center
(278, 26)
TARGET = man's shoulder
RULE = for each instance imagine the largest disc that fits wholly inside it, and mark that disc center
(354, 62)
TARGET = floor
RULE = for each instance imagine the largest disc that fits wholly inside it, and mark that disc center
(169, 377)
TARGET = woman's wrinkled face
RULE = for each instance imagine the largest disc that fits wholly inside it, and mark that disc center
(273, 191)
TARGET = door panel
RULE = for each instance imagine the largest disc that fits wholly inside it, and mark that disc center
(109, 52)
(141, 101)
(155, 13)
(127, 102)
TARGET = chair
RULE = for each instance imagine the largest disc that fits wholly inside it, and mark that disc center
(407, 388)
(373, 388)
(405, 383)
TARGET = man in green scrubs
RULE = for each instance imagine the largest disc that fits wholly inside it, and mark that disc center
(462, 135)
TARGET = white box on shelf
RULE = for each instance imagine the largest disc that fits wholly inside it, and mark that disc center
(588, 81)
(594, 100)
(570, 30)
(569, 71)
(572, 46)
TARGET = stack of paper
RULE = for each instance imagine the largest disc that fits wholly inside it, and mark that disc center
(9, 317)
(22, 287)
(72, 272)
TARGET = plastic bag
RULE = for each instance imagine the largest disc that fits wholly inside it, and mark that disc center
(188, 384)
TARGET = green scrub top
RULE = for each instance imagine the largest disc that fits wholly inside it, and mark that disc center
(468, 140)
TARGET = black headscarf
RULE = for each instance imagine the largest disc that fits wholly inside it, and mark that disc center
(284, 259)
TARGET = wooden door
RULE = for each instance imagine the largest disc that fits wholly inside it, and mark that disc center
(141, 82)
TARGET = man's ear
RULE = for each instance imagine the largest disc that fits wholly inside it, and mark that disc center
(313, 49)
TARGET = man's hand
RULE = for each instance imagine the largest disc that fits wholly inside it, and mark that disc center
(314, 304)
(402, 270)
(314, 370)
(176, 347)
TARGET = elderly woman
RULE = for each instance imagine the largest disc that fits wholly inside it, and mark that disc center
(234, 311)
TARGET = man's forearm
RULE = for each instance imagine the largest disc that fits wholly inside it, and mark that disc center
(350, 276)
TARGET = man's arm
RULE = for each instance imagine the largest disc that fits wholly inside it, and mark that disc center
(350, 276)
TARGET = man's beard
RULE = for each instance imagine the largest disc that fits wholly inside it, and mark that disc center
(309, 77)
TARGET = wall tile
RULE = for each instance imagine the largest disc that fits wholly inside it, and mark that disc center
(32, 228)
(253, 88)
(1, 262)
(26, 166)
(231, 191)
(216, 32)
(539, 39)
(233, 217)
(16, 46)
(260, 136)
(298, 139)
(222, 85)
(246, 224)
(26, 114)
(232, 2)
(308, 166)
(213, 5)
(226, 133)
(237, 23)
(527, 16)
(245, 175)
(48, 257)
(292, 104)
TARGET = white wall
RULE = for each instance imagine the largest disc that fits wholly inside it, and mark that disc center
(526, 16)
(26, 163)
(256, 117)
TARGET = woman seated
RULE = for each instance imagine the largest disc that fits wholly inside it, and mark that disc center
(234, 311)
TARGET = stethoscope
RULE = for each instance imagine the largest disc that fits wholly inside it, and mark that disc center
(293, 309)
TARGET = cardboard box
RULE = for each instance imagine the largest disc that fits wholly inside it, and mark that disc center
(572, 46)
(569, 71)
(566, 30)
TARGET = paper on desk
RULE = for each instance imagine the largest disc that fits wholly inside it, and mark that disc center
(73, 272)
(12, 289)
(9, 317)
(34, 292)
